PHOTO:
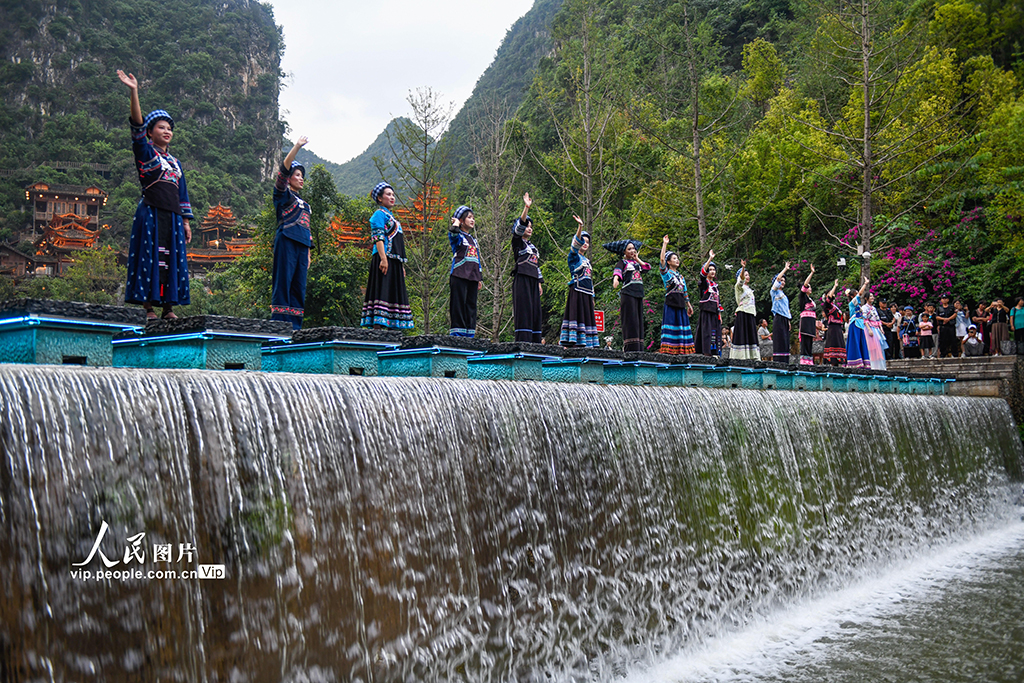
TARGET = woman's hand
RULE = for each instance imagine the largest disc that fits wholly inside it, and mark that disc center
(664, 240)
(578, 220)
(384, 266)
(128, 79)
(188, 232)
(455, 222)
(526, 200)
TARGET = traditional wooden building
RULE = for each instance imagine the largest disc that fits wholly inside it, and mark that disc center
(14, 263)
(219, 239)
(65, 219)
(49, 201)
(434, 203)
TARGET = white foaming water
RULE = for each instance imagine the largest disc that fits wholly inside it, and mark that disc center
(778, 646)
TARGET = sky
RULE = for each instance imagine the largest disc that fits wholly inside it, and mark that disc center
(350, 65)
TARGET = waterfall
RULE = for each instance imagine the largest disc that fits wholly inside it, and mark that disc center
(381, 529)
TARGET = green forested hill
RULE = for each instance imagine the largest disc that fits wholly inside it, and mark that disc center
(214, 64)
(357, 176)
(508, 78)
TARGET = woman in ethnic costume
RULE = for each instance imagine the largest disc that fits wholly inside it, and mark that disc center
(710, 309)
(676, 335)
(292, 242)
(157, 259)
(744, 338)
(387, 302)
(857, 353)
(629, 273)
(578, 325)
(875, 334)
(780, 318)
(466, 274)
(527, 286)
(808, 321)
(835, 344)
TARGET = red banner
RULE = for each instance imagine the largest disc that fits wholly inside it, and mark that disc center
(599, 320)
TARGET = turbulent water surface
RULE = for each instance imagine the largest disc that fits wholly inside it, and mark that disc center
(383, 529)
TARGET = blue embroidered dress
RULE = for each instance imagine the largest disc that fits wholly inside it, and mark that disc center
(157, 256)
(387, 300)
(676, 334)
(857, 353)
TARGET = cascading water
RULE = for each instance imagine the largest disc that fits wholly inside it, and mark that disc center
(383, 529)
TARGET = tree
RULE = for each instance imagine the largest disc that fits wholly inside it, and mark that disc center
(890, 107)
(324, 201)
(420, 156)
(499, 157)
(697, 115)
(580, 96)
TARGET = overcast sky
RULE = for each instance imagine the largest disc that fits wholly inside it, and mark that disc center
(351, 64)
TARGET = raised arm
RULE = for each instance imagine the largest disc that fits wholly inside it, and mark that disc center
(711, 255)
(863, 288)
(133, 85)
(739, 273)
(775, 282)
(579, 228)
(293, 152)
(832, 292)
(664, 249)
(527, 203)
(807, 282)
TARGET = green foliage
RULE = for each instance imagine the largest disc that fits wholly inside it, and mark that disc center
(333, 291)
(94, 278)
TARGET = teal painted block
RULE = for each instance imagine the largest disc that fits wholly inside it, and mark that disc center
(32, 339)
(672, 376)
(574, 370)
(813, 382)
(196, 351)
(886, 385)
(733, 378)
(785, 380)
(799, 381)
(637, 373)
(840, 383)
(513, 367)
(433, 361)
(694, 375)
(858, 384)
(758, 379)
(338, 357)
(714, 378)
(18, 345)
